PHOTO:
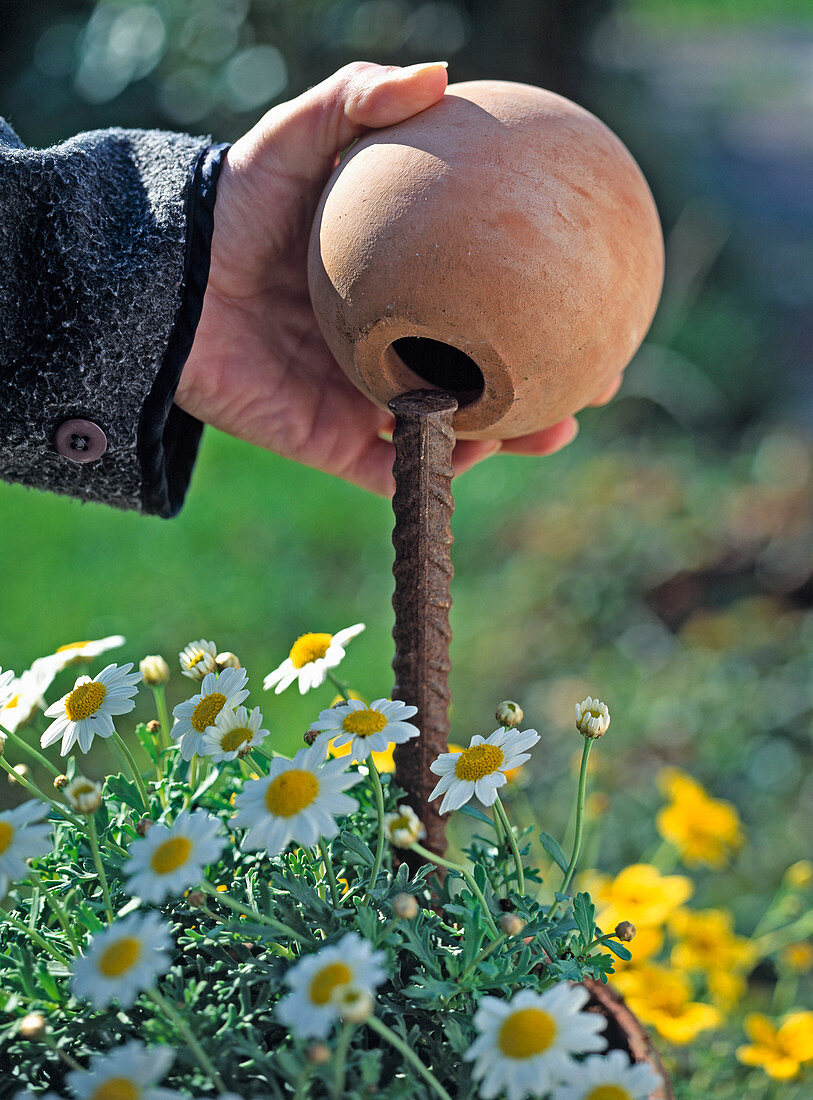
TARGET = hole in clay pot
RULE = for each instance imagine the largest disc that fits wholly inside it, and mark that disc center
(443, 366)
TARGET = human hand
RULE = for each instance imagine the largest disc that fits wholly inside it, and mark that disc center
(259, 368)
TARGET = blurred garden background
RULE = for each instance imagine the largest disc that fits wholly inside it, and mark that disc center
(662, 562)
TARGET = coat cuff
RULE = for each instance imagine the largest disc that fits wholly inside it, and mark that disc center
(168, 437)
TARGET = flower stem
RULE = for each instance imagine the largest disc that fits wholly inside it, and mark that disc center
(331, 874)
(378, 791)
(97, 859)
(470, 882)
(409, 1054)
(142, 790)
(160, 696)
(56, 908)
(340, 1060)
(29, 786)
(512, 843)
(340, 686)
(185, 1031)
(44, 761)
(36, 937)
(577, 839)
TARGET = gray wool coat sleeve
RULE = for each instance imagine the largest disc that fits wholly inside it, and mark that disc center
(103, 263)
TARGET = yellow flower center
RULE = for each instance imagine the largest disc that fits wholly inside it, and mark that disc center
(326, 980)
(119, 956)
(235, 738)
(609, 1092)
(195, 658)
(12, 702)
(401, 823)
(207, 710)
(6, 835)
(85, 700)
(291, 792)
(170, 855)
(71, 645)
(480, 760)
(116, 1088)
(526, 1033)
(309, 647)
(364, 723)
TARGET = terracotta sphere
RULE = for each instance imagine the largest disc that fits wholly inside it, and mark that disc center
(502, 245)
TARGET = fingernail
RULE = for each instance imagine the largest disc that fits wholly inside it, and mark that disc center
(410, 70)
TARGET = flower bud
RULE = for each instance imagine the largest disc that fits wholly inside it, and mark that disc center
(153, 726)
(511, 924)
(195, 898)
(84, 795)
(143, 826)
(318, 1054)
(61, 782)
(592, 717)
(354, 1004)
(227, 660)
(799, 875)
(625, 930)
(403, 828)
(32, 1026)
(509, 714)
(21, 770)
(154, 670)
(405, 906)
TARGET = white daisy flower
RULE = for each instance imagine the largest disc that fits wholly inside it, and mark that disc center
(297, 800)
(480, 769)
(368, 728)
(525, 1044)
(404, 827)
(129, 1072)
(198, 659)
(22, 837)
(25, 695)
(234, 733)
(318, 984)
(171, 859)
(309, 660)
(6, 689)
(86, 712)
(219, 691)
(74, 652)
(592, 717)
(608, 1076)
(123, 960)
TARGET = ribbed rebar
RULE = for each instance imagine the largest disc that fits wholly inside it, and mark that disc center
(422, 537)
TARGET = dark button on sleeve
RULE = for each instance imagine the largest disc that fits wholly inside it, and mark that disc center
(80, 440)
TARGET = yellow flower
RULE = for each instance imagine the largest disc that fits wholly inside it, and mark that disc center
(645, 945)
(780, 1051)
(706, 831)
(639, 893)
(384, 761)
(799, 876)
(510, 775)
(797, 956)
(707, 942)
(660, 997)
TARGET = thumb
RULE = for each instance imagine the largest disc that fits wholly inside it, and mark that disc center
(310, 131)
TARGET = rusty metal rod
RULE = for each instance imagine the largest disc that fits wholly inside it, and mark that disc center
(423, 505)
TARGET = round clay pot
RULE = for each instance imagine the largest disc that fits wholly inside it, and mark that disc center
(502, 245)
